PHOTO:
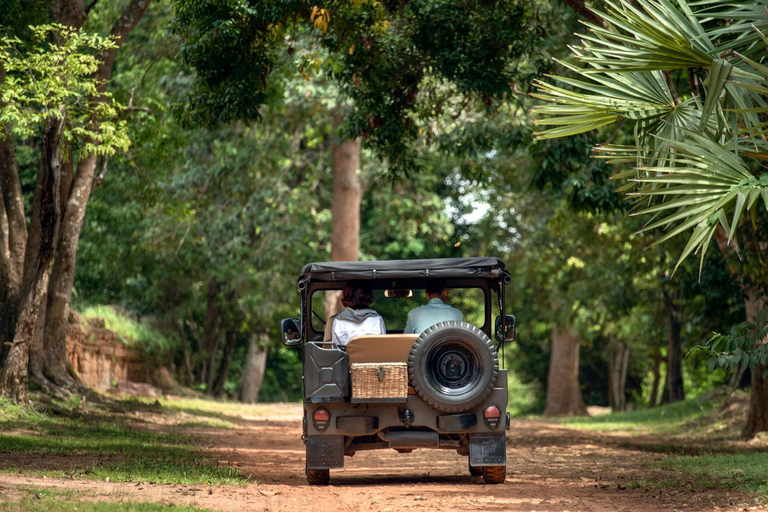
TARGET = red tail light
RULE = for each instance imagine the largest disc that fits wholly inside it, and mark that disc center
(321, 418)
(492, 415)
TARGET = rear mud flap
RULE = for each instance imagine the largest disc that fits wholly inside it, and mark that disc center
(325, 452)
(487, 450)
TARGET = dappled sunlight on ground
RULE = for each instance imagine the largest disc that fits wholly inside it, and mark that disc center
(551, 466)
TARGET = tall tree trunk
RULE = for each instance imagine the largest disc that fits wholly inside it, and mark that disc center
(345, 211)
(757, 417)
(741, 377)
(188, 378)
(618, 361)
(563, 390)
(657, 359)
(226, 358)
(754, 301)
(45, 225)
(56, 368)
(37, 348)
(210, 341)
(13, 236)
(253, 373)
(673, 388)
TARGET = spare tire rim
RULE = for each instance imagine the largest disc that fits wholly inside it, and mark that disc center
(453, 367)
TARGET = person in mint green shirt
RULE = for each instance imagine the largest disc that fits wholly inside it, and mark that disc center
(434, 311)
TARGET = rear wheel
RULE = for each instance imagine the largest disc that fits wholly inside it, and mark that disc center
(494, 474)
(474, 470)
(318, 476)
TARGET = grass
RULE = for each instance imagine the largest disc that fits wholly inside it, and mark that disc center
(739, 471)
(92, 441)
(41, 501)
(130, 331)
(217, 412)
(719, 461)
(215, 407)
(667, 419)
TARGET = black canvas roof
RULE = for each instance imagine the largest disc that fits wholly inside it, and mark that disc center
(446, 268)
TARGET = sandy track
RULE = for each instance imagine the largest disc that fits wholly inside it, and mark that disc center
(550, 467)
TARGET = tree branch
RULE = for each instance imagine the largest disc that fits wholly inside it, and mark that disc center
(132, 108)
(10, 195)
(91, 6)
(581, 7)
(102, 172)
(120, 31)
(69, 12)
(693, 83)
(672, 89)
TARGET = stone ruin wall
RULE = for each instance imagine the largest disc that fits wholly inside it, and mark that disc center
(99, 357)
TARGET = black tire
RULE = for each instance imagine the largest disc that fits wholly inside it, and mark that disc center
(318, 476)
(453, 366)
(494, 474)
(474, 470)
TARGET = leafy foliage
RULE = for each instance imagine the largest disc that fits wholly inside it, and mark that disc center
(744, 345)
(55, 81)
(131, 331)
(701, 160)
(383, 56)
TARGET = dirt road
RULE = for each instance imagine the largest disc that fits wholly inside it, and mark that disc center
(550, 467)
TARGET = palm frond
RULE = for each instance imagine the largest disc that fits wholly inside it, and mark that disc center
(688, 169)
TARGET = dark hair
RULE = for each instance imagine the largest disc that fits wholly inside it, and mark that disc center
(435, 287)
(357, 295)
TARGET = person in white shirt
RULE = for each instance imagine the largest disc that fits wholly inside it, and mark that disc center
(357, 319)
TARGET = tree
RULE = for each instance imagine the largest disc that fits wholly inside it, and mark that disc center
(46, 88)
(383, 56)
(698, 155)
(79, 155)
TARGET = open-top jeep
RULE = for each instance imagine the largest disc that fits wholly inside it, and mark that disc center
(442, 388)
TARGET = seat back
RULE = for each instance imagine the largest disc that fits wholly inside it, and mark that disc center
(381, 348)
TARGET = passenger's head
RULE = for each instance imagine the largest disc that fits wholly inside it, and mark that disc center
(357, 295)
(436, 289)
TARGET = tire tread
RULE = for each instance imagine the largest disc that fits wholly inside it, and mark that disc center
(318, 476)
(427, 397)
(494, 474)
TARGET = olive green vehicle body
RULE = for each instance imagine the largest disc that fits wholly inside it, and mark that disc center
(403, 423)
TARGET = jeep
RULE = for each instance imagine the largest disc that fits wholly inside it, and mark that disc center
(442, 388)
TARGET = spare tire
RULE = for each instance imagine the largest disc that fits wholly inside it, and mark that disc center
(453, 366)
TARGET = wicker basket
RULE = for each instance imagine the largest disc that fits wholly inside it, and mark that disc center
(383, 382)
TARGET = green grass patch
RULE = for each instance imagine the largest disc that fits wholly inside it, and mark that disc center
(130, 331)
(747, 471)
(666, 419)
(216, 408)
(109, 445)
(159, 471)
(40, 502)
(214, 423)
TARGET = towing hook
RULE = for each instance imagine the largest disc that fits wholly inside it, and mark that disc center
(406, 416)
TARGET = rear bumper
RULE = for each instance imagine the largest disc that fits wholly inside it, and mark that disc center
(348, 419)
(484, 449)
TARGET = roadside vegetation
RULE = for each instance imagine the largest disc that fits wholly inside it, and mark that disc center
(110, 440)
(702, 437)
(130, 330)
(38, 500)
